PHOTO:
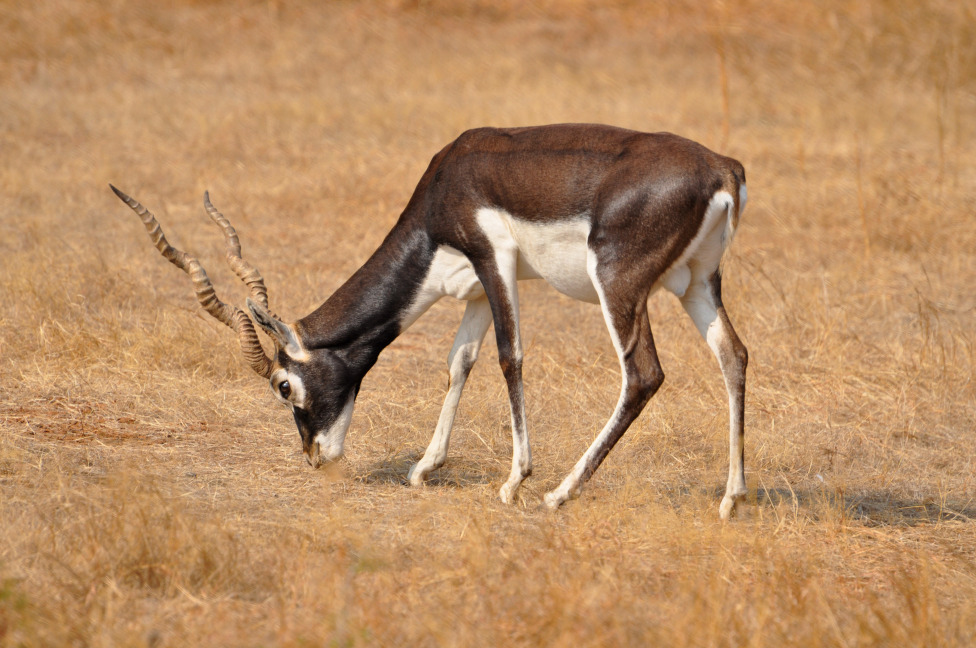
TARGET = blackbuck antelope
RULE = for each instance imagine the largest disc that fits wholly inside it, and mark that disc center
(603, 214)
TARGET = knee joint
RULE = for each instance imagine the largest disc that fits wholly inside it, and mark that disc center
(644, 384)
(460, 364)
(742, 354)
(510, 363)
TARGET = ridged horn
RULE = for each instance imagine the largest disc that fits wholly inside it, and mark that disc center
(247, 273)
(232, 316)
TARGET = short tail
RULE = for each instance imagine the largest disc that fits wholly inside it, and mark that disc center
(737, 189)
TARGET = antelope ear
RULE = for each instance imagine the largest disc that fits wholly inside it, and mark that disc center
(285, 336)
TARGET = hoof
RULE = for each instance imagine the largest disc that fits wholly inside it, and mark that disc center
(415, 476)
(507, 493)
(553, 501)
(727, 507)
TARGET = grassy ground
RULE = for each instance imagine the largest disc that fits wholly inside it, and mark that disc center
(153, 493)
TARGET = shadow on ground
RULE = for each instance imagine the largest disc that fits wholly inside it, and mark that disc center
(456, 473)
(873, 508)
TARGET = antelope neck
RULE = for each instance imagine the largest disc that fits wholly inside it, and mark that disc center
(364, 315)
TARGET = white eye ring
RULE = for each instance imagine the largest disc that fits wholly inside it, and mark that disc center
(288, 388)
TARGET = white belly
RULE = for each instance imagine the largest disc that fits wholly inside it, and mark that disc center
(555, 252)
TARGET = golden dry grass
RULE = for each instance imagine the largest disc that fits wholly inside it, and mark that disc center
(153, 493)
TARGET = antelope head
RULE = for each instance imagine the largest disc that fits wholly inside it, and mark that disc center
(314, 383)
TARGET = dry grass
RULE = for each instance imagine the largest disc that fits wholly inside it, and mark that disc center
(152, 492)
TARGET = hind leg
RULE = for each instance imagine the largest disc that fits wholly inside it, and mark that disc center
(641, 376)
(703, 302)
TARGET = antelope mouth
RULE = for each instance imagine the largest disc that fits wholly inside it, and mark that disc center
(324, 450)
(313, 457)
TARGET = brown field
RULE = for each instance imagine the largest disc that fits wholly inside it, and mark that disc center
(152, 492)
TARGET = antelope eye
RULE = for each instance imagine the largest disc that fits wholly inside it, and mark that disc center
(284, 389)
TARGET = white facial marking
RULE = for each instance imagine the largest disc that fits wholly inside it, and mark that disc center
(297, 396)
(295, 349)
(331, 441)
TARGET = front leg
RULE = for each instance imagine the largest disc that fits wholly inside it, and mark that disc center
(498, 274)
(521, 453)
(464, 353)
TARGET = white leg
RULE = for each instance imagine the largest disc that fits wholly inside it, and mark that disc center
(464, 353)
(703, 302)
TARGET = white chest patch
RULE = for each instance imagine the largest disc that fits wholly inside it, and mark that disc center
(555, 252)
(450, 274)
